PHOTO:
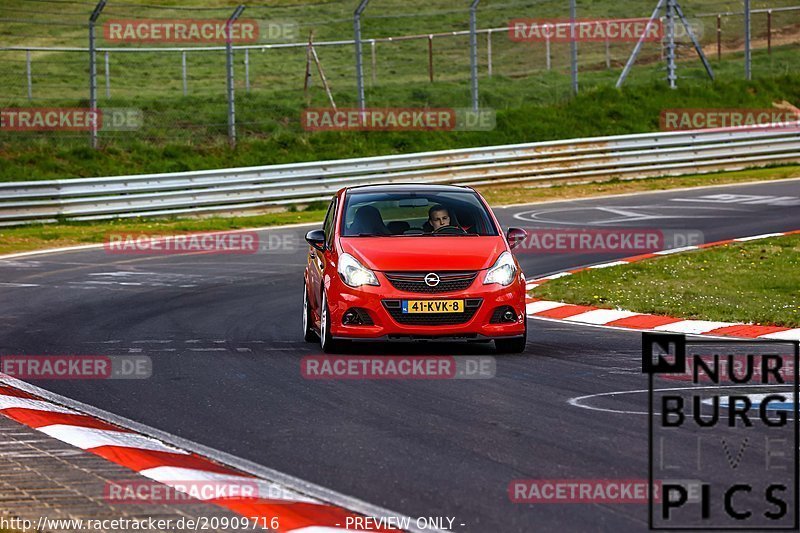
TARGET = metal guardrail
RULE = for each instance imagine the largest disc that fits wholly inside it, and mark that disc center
(240, 189)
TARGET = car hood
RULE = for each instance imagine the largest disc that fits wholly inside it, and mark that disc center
(424, 253)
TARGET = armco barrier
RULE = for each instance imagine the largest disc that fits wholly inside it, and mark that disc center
(239, 189)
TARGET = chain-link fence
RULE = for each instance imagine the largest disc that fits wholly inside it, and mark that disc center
(163, 72)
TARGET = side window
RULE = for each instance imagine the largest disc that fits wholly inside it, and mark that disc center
(329, 218)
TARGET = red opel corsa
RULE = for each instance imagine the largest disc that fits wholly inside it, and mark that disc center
(415, 262)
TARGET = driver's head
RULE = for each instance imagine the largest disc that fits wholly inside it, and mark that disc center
(438, 216)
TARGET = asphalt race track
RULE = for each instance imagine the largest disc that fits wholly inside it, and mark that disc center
(225, 339)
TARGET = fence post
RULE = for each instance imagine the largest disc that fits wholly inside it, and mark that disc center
(430, 57)
(229, 70)
(573, 46)
(473, 51)
(93, 71)
(247, 70)
(608, 54)
(719, 37)
(769, 31)
(359, 60)
(671, 76)
(374, 63)
(547, 50)
(183, 72)
(489, 50)
(28, 71)
(108, 76)
(747, 51)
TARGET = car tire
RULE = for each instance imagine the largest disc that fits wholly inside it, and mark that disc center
(514, 344)
(327, 342)
(309, 335)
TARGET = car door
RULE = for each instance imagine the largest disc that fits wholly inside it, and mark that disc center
(316, 264)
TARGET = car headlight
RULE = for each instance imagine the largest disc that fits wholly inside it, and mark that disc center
(502, 272)
(354, 273)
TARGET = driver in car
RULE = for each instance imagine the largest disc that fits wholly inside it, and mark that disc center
(438, 217)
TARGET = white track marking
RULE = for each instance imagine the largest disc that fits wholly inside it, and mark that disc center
(788, 335)
(601, 316)
(540, 306)
(87, 438)
(578, 401)
(676, 250)
(611, 264)
(692, 327)
(14, 402)
(174, 476)
(757, 237)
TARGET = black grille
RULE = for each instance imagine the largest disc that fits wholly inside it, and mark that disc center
(395, 309)
(415, 281)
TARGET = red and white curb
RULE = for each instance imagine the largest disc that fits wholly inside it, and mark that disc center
(619, 318)
(171, 465)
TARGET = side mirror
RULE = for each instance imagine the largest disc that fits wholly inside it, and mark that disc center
(316, 238)
(515, 236)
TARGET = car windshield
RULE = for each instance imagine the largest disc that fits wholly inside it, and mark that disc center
(450, 213)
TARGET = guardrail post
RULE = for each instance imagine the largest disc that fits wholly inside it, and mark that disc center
(359, 60)
(473, 51)
(93, 71)
(28, 72)
(747, 51)
(229, 70)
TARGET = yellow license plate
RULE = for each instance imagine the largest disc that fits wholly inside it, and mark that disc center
(433, 306)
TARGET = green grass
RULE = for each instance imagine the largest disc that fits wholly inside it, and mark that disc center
(757, 282)
(36, 237)
(26, 238)
(189, 133)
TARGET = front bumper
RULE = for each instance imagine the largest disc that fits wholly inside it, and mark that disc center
(373, 300)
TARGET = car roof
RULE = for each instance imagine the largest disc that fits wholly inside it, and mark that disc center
(407, 187)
